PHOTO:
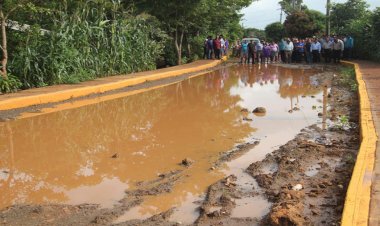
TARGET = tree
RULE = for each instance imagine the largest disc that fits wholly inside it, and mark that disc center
(181, 18)
(344, 13)
(290, 6)
(7, 7)
(304, 24)
(254, 32)
(318, 19)
(275, 31)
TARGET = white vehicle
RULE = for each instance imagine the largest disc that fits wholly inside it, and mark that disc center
(256, 40)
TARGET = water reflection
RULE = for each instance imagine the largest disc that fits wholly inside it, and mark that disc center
(65, 156)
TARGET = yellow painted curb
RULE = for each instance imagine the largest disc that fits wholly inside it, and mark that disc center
(25, 101)
(357, 204)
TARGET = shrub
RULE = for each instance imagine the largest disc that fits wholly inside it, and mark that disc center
(10, 84)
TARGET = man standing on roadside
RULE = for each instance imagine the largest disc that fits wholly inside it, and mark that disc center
(316, 51)
(281, 46)
(251, 50)
(244, 52)
(348, 47)
(308, 54)
(217, 47)
(210, 47)
(338, 48)
(222, 45)
(327, 47)
(259, 52)
(288, 48)
(226, 46)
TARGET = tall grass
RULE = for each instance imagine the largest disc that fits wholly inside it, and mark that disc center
(84, 44)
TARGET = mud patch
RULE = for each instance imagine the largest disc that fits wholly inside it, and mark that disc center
(309, 176)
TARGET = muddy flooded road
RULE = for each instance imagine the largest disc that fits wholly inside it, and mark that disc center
(107, 152)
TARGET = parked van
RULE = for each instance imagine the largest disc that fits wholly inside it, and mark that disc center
(256, 40)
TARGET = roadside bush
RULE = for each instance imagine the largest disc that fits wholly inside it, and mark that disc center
(349, 78)
(10, 84)
(86, 44)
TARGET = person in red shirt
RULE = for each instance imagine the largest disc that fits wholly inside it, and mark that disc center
(217, 47)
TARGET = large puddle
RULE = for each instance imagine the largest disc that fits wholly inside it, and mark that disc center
(66, 156)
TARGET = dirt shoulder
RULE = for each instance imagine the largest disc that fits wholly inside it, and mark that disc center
(307, 178)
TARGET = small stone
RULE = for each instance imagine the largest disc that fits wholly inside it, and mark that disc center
(290, 111)
(229, 182)
(259, 110)
(247, 119)
(297, 187)
(116, 155)
(312, 96)
(296, 109)
(322, 186)
(187, 162)
(214, 214)
(320, 114)
(340, 186)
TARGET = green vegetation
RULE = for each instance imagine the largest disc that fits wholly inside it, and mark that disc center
(76, 40)
(349, 78)
(305, 23)
(9, 84)
(354, 18)
(275, 31)
(343, 123)
(253, 32)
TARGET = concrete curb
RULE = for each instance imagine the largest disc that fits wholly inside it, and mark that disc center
(52, 97)
(357, 204)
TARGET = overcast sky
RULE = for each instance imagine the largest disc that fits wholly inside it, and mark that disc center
(263, 12)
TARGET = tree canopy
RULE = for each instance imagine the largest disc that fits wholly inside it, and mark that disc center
(275, 31)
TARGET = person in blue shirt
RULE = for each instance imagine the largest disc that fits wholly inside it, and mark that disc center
(348, 47)
(281, 46)
(299, 50)
(210, 47)
(244, 52)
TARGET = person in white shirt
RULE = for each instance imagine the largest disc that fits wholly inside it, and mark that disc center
(338, 48)
(288, 48)
(315, 48)
(327, 47)
(223, 45)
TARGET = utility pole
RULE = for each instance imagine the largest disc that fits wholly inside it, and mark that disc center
(281, 15)
(328, 24)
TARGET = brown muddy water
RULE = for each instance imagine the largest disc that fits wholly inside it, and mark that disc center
(66, 156)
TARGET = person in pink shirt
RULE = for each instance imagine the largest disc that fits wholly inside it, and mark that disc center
(273, 52)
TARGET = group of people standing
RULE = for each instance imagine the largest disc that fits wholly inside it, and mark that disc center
(215, 48)
(309, 50)
(255, 51)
